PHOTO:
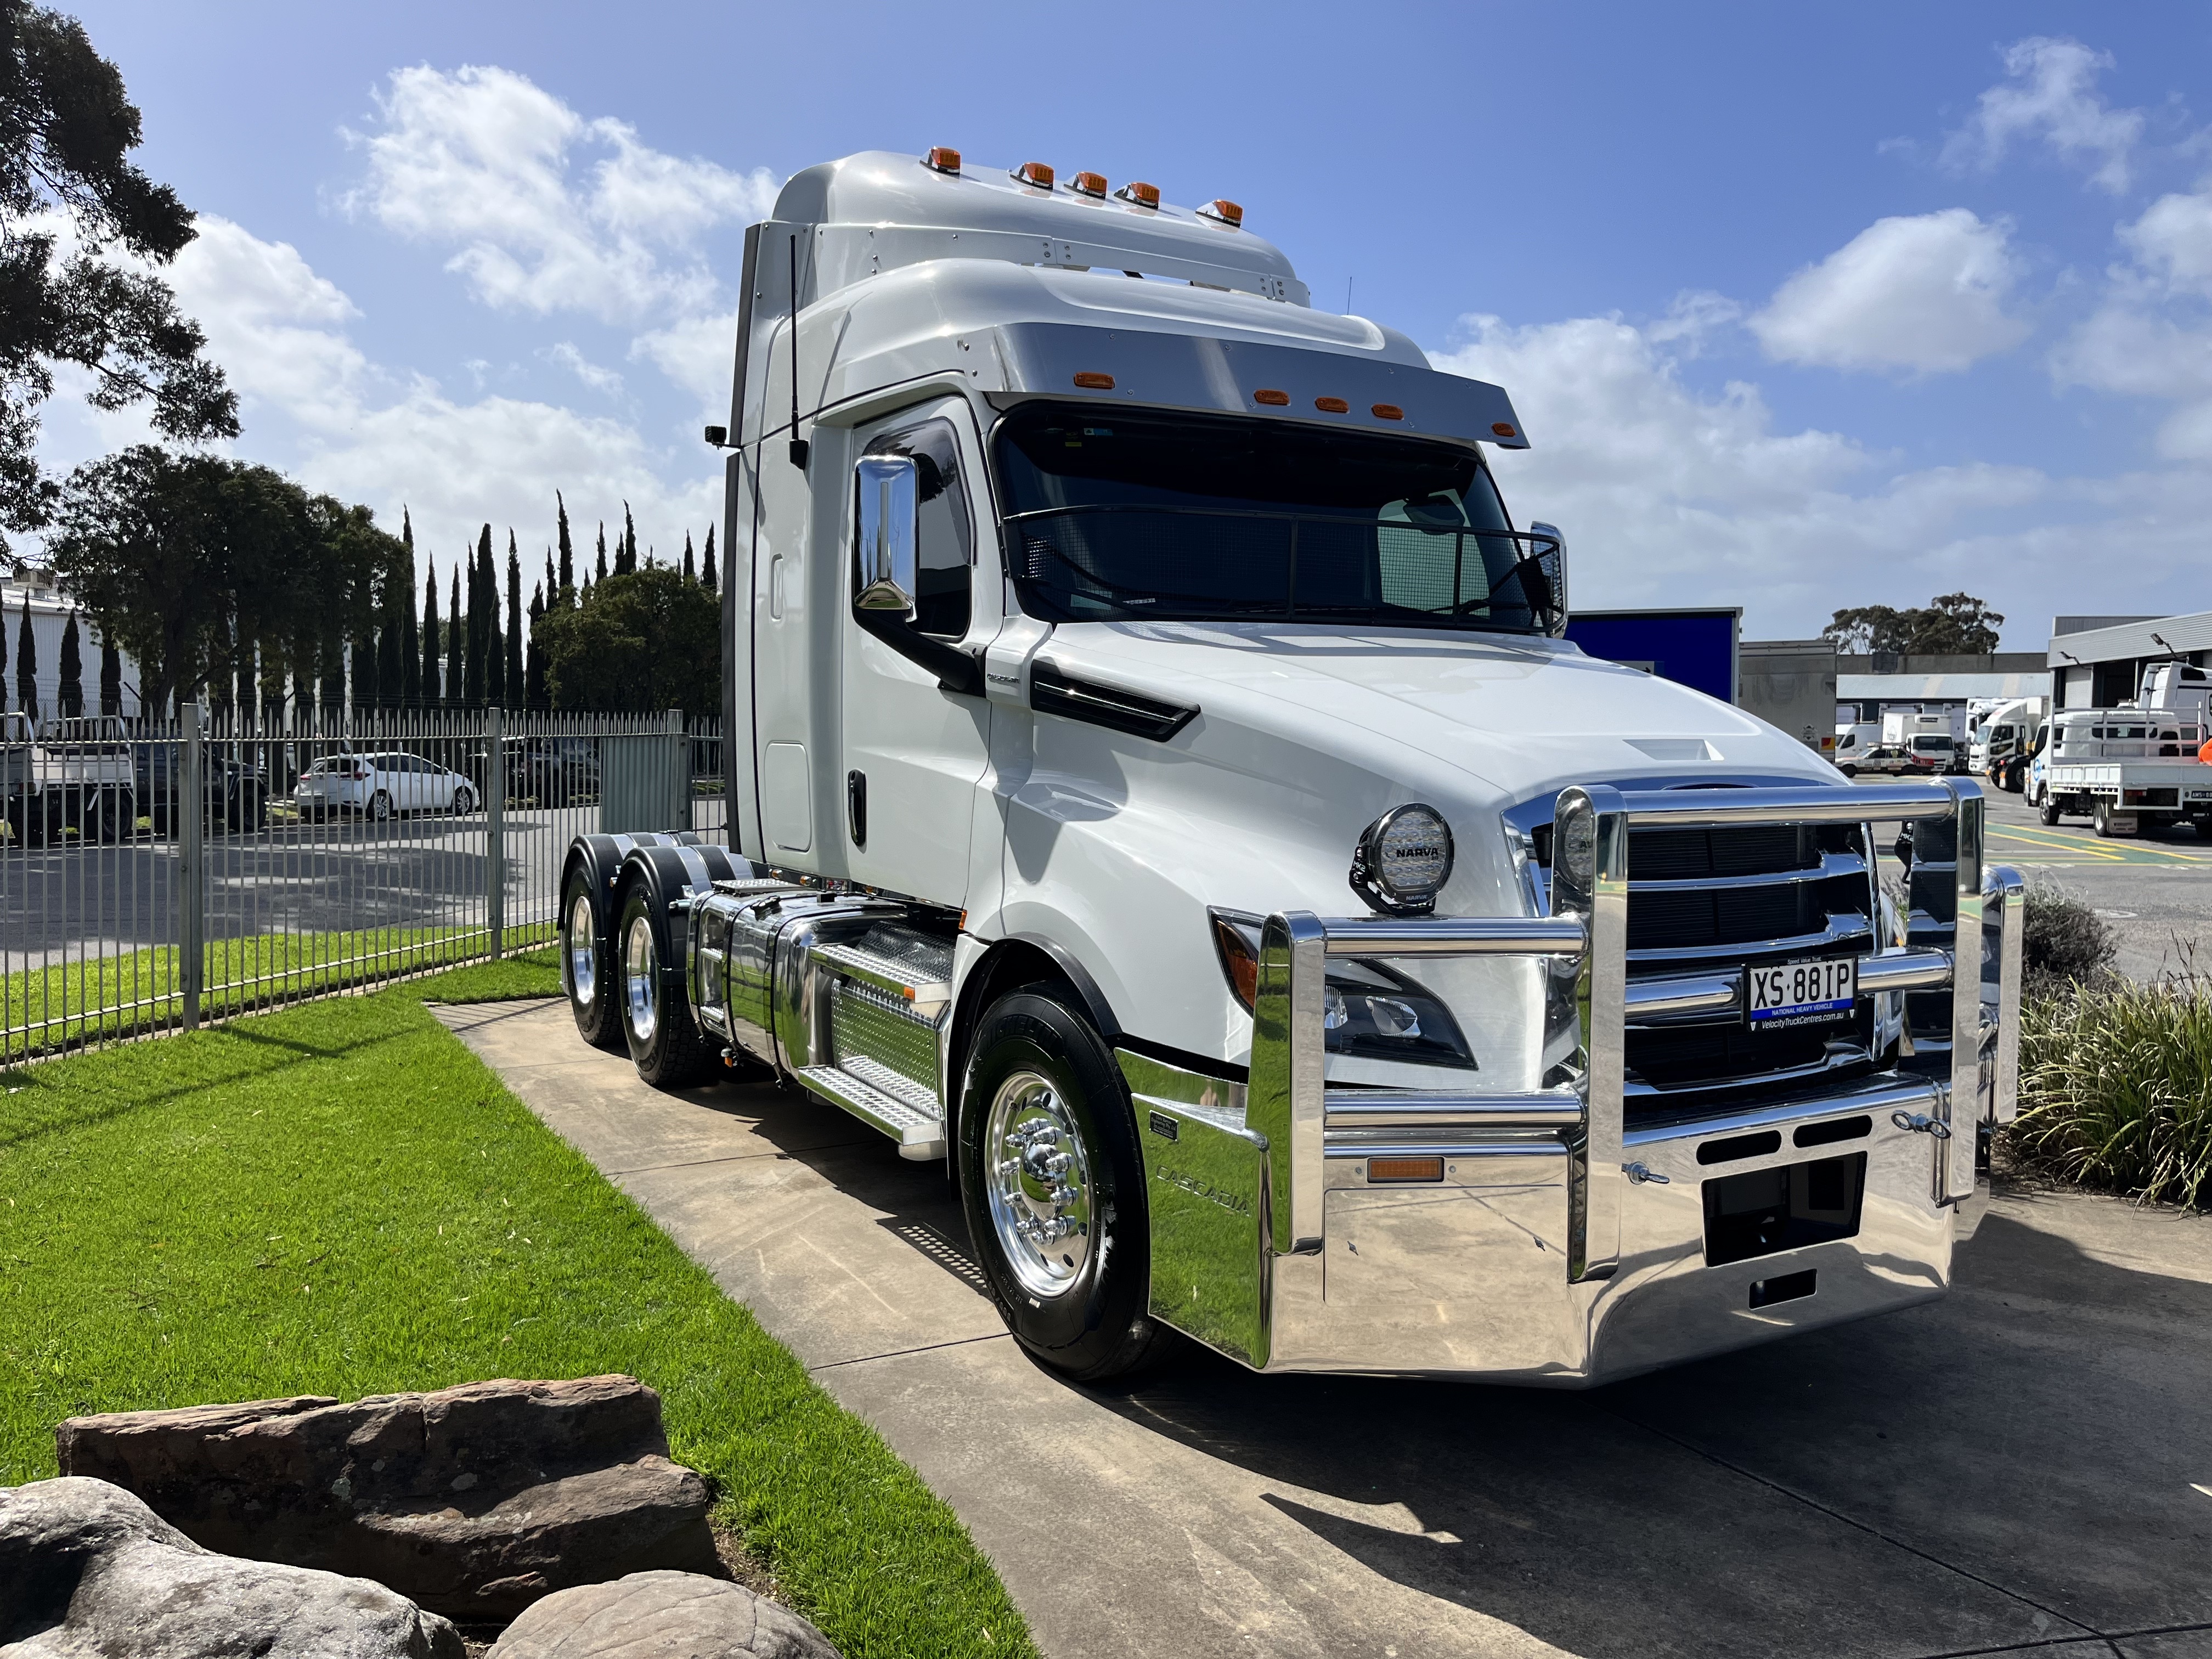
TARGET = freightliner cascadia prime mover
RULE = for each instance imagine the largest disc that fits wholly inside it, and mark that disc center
(1159, 789)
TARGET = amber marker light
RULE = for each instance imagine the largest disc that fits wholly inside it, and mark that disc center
(1092, 184)
(1223, 212)
(1237, 962)
(1332, 406)
(1036, 174)
(1138, 194)
(1405, 1168)
(1091, 382)
(1272, 398)
(1388, 412)
(1504, 429)
(942, 159)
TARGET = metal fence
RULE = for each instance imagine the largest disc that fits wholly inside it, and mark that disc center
(322, 856)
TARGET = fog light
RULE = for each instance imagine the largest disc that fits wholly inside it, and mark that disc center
(1403, 859)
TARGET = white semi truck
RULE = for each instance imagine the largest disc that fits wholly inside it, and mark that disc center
(1159, 791)
(2000, 738)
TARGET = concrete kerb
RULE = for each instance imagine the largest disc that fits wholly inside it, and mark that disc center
(1998, 1472)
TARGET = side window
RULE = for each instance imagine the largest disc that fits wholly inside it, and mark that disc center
(944, 534)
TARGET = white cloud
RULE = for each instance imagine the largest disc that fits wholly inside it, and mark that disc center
(568, 356)
(484, 159)
(2150, 334)
(699, 353)
(2051, 94)
(1924, 294)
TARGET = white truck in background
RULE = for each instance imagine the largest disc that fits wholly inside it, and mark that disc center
(2135, 768)
(1936, 738)
(1162, 795)
(2000, 740)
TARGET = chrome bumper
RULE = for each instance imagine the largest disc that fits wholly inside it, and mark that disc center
(1559, 1246)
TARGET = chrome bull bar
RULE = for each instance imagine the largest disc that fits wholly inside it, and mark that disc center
(1295, 1129)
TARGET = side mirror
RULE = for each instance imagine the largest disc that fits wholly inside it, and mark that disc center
(1553, 562)
(883, 534)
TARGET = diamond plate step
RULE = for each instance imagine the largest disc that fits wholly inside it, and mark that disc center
(920, 1134)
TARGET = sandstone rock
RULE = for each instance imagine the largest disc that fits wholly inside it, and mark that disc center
(660, 1615)
(87, 1569)
(474, 1501)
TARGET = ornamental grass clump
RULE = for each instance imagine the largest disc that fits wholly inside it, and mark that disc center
(2116, 1087)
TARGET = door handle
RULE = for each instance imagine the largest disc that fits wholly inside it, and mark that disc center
(856, 806)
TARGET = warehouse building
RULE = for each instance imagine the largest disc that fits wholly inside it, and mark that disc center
(2096, 662)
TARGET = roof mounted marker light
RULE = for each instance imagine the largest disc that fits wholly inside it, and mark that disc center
(1273, 398)
(1504, 429)
(1092, 184)
(1138, 194)
(1094, 382)
(1036, 174)
(1224, 213)
(943, 158)
(1388, 412)
(1332, 406)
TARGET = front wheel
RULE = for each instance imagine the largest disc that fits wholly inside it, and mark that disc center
(1053, 1185)
(1848, 769)
(664, 1039)
(2048, 812)
(463, 803)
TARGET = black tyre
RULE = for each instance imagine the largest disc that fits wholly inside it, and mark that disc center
(2048, 812)
(664, 1041)
(587, 968)
(380, 806)
(2101, 818)
(1054, 1187)
(463, 802)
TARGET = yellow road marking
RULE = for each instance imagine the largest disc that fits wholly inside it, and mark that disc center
(2051, 841)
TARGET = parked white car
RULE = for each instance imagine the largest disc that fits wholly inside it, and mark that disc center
(378, 786)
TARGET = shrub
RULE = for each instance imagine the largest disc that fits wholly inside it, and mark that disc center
(2116, 1086)
(2063, 942)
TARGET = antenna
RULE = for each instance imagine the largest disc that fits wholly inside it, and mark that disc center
(798, 443)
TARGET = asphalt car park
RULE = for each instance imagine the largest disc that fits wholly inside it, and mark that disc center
(2155, 893)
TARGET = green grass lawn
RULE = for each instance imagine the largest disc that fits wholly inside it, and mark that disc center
(50, 1008)
(340, 1199)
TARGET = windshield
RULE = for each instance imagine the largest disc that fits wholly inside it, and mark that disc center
(1114, 515)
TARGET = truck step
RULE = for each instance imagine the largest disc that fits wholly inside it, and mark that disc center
(906, 965)
(865, 1089)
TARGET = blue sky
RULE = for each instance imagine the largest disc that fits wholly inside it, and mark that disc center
(1801, 308)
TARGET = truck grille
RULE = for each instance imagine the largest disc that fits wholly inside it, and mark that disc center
(1703, 899)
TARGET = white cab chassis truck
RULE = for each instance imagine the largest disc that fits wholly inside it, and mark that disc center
(1158, 789)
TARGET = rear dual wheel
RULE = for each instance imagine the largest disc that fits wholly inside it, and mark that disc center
(665, 1041)
(587, 974)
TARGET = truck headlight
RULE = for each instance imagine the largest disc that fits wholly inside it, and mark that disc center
(1369, 1011)
(1403, 861)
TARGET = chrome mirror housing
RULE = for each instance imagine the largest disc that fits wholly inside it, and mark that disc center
(1553, 562)
(883, 541)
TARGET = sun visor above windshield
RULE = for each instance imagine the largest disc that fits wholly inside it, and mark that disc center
(1183, 371)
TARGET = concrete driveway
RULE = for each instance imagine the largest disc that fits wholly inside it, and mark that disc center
(2024, 1466)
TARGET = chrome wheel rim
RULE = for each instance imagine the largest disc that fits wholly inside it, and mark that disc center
(380, 805)
(638, 973)
(1037, 1174)
(583, 959)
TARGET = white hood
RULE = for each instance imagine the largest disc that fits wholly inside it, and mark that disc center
(1305, 735)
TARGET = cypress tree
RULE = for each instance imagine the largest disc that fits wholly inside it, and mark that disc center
(626, 550)
(706, 577)
(603, 550)
(429, 681)
(690, 570)
(391, 627)
(475, 679)
(456, 636)
(329, 657)
(69, 698)
(549, 589)
(533, 685)
(26, 663)
(364, 666)
(111, 677)
(568, 555)
(512, 676)
(411, 644)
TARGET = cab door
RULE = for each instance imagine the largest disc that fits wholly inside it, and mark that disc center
(915, 727)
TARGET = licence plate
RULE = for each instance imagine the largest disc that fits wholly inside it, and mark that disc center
(1803, 993)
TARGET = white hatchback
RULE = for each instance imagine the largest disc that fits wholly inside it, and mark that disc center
(377, 786)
